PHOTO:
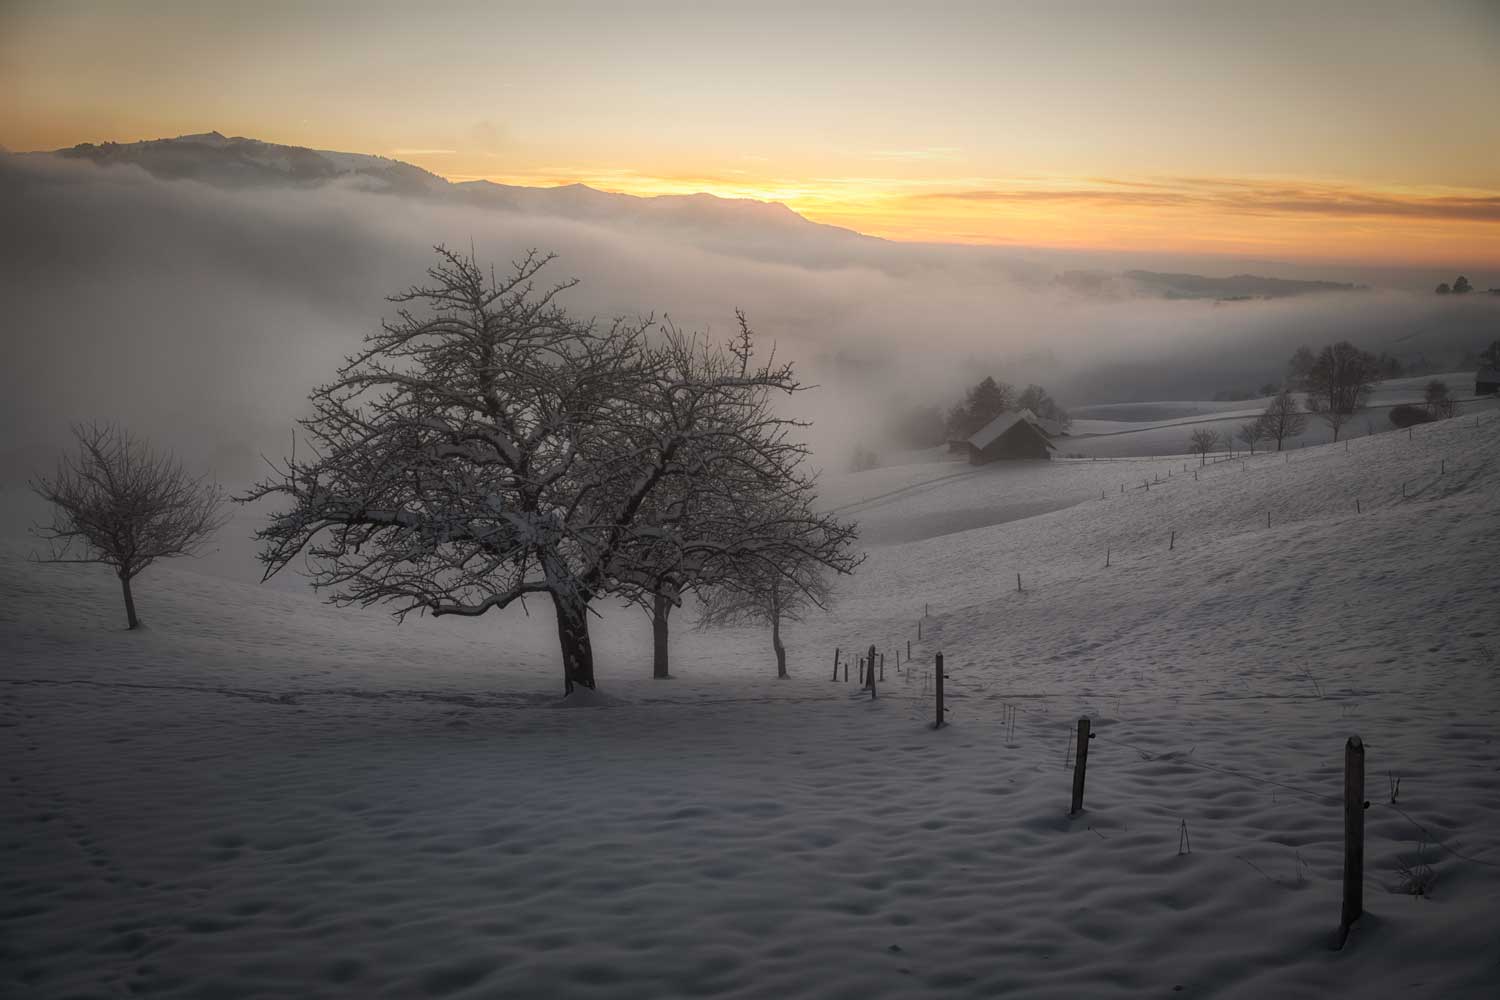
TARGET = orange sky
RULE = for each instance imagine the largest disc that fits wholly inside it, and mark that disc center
(1353, 131)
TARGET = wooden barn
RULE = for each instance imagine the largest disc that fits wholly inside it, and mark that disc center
(1010, 436)
(1487, 381)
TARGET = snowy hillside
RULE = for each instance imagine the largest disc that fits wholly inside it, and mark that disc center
(1164, 428)
(343, 806)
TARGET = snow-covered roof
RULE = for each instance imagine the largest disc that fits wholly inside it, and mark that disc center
(990, 432)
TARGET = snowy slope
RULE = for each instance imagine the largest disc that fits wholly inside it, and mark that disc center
(1106, 438)
(262, 796)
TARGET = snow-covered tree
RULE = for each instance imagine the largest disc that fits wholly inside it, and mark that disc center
(770, 593)
(740, 497)
(1339, 383)
(982, 403)
(1283, 418)
(118, 502)
(486, 447)
(1252, 432)
(1201, 442)
(1037, 400)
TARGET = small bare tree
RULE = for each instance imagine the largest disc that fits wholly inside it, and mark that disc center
(1439, 402)
(1283, 418)
(1252, 432)
(767, 593)
(1202, 442)
(118, 502)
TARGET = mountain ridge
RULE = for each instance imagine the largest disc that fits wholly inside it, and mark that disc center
(768, 231)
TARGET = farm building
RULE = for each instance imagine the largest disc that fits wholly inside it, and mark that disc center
(1009, 436)
(1486, 381)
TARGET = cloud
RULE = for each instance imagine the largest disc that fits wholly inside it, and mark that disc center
(1243, 197)
(201, 317)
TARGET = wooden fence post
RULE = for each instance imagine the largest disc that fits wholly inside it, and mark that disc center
(882, 667)
(1018, 583)
(835, 663)
(846, 671)
(919, 631)
(1354, 838)
(1172, 544)
(1080, 763)
(870, 670)
(908, 654)
(938, 661)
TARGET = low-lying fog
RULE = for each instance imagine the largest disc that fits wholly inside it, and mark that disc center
(201, 316)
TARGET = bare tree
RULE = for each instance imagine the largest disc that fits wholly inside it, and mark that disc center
(742, 502)
(767, 593)
(1202, 442)
(118, 502)
(1283, 418)
(485, 447)
(1300, 367)
(1340, 382)
(1439, 402)
(1252, 432)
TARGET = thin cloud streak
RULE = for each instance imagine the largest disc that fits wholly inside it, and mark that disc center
(1246, 197)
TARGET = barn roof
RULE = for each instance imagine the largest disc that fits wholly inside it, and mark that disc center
(990, 432)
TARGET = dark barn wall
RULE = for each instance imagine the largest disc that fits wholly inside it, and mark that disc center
(1020, 442)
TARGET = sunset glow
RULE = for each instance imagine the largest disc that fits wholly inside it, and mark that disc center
(1276, 130)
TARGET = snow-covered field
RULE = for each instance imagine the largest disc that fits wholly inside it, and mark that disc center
(1136, 429)
(259, 795)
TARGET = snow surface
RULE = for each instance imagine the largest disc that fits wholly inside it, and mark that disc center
(1143, 434)
(260, 795)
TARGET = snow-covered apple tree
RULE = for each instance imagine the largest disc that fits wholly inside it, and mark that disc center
(739, 500)
(486, 447)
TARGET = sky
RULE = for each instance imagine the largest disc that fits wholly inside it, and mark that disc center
(1341, 131)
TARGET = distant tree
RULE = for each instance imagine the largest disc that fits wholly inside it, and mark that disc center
(767, 594)
(120, 503)
(1461, 285)
(1283, 418)
(982, 403)
(1388, 366)
(1269, 389)
(1443, 289)
(1252, 432)
(1300, 367)
(1439, 402)
(1340, 383)
(1036, 399)
(1490, 356)
(1202, 442)
(1407, 415)
(864, 460)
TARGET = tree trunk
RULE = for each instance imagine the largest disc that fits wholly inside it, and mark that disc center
(573, 636)
(130, 617)
(776, 639)
(661, 606)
